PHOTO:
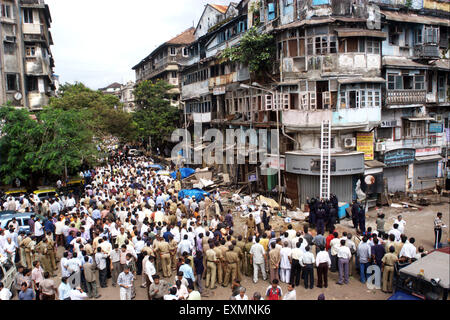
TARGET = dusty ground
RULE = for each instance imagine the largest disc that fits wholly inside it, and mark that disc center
(419, 224)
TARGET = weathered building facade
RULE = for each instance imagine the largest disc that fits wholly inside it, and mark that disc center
(378, 71)
(26, 58)
(164, 63)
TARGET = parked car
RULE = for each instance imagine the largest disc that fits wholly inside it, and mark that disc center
(22, 219)
(135, 153)
(16, 193)
(46, 193)
(424, 279)
(8, 272)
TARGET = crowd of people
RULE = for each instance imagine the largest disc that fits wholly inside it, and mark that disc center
(130, 225)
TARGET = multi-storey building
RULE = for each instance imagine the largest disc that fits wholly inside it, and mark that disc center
(378, 71)
(164, 63)
(124, 92)
(26, 58)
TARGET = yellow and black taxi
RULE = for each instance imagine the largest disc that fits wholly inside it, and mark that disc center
(15, 193)
(46, 193)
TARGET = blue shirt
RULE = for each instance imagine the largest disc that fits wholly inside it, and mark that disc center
(27, 295)
(64, 291)
(96, 214)
(187, 272)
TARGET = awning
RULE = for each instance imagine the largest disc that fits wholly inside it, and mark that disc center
(402, 62)
(362, 80)
(414, 18)
(374, 164)
(351, 32)
(432, 158)
(419, 119)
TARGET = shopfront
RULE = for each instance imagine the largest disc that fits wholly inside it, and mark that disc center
(346, 169)
(399, 168)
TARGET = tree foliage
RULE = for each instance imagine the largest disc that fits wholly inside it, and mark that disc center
(155, 117)
(103, 114)
(257, 50)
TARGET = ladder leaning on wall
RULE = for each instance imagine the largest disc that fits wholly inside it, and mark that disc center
(325, 160)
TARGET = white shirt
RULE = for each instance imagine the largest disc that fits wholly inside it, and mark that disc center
(335, 244)
(408, 250)
(397, 234)
(291, 295)
(401, 225)
(323, 257)
(238, 297)
(344, 252)
(77, 295)
(38, 229)
(5, 294)
(150, 270)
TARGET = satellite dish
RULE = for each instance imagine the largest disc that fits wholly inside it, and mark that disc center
(369, 180)
(18, 96)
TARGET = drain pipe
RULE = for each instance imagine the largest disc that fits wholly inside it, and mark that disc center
(288, 136)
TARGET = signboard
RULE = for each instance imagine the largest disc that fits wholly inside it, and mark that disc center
(365, 144)
(436, 128)
(428, 151)
(389, 124)
(344, 165)
(252, 178)
(217, 91)
(273, 163)
(399, 157)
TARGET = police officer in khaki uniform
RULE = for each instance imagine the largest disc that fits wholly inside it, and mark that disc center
(42, 249)
(248, 267)
(219, 256)
(232, 260)
(164, 250)
(156, 244)
(51, 251)
(251, 225)
(27, 245)
(173, 247)
(388, 261)
(240, 255)
(211, 267)
(205, 246)
(241, 245)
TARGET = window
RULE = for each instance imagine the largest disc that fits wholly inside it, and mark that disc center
(419, 82)
(271, 11)
(12, 82)
(432, 140)
(431, 35)
(6, 11)
(185, 52)
(30, 51)
(28, 15)
(352, 45)
(173, 51)
(31, 84)
(174, 75)
(414, 129)
(384, 133)
(10, 48)
(418, 36)
(293, 50)
(373, 46)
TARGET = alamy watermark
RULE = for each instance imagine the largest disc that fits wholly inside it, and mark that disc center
(230, 146)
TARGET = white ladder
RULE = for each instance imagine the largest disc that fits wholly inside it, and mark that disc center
(325, 159)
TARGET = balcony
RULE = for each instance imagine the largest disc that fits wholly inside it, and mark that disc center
(427, 51)
(406, 96)
(340, 119)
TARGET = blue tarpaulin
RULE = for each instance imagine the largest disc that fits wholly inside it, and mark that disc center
(185, 172)
(156, 166)
(198, 193)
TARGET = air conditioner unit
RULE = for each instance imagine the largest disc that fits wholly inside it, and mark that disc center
(438, 117)
(380, 147)
(11, 39)
(350, 142)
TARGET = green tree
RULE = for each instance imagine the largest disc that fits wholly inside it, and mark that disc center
(18, 144)
(257, 50)
(66, 143)
(104, 116)
(155, 117)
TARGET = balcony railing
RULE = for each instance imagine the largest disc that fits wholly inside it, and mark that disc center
(406, 96)
(427, 51)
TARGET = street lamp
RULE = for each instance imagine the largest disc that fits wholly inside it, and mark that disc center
(257, 86)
